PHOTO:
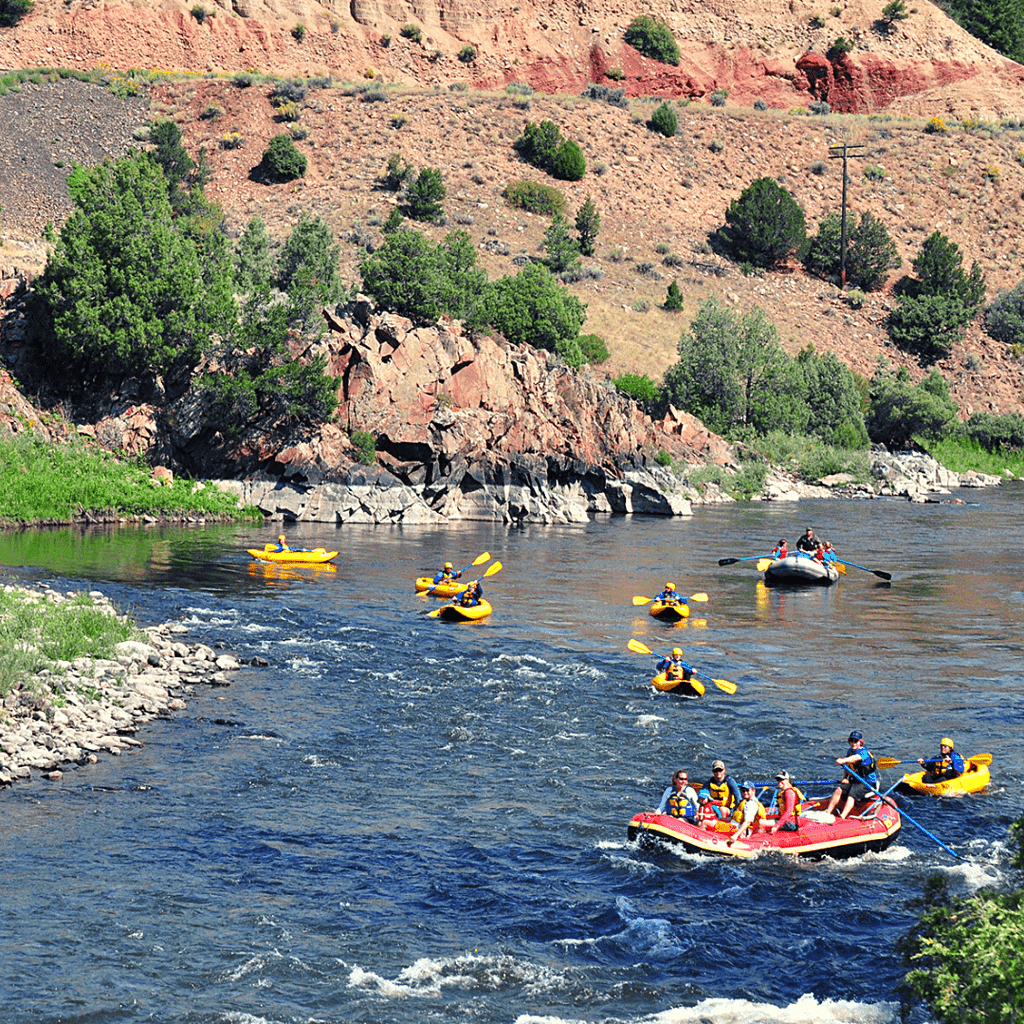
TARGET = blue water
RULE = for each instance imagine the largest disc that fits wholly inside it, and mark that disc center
(401, 819)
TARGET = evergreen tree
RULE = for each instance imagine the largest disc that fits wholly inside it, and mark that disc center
(834, 400)
(426, 195)
(254, 265)
(674, 298)
(308, 271)
(900, 411)
(765, 225)
(124, 289)
(562, 250)
(997, 23)
(870, 251)
(588, 224)
(664, 121)
(1004, 318)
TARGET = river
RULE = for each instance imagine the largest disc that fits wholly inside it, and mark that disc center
(401, 819)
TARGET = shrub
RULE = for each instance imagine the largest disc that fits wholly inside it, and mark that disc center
(639, 387)
(569, 164)
(664, 121)
(534, 197)
(760, 104)
(563, 253)
(718, 97)
(839, 49)
(819, 167)
(200, 13)
(995, 433)
(663, 458)
(614, 97)
(593, 347)
(1004, 318)
(873, 173)
(385, 40)
(396, 174)
(673, 298)
(366, 445)
(411, 31)
(12, 11)
(653, 38)
(900, 411)
(765, 225)
(870, 251)
(819, 107)
(426, 196)
(288, 91)
(616, 74)
(467, 54)
(817, 21)
(716, 145)
(243, 79)
(287, 112)
(895, 10)
(936, 126)
(299, 32)
(281, 160)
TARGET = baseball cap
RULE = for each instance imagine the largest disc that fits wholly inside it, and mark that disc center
(717, 764)
(704, 794)
(855, 735)
(749, 785)
(782, 774)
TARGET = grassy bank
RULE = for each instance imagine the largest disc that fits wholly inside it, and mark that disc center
(962, 456)
(41, 481)
(37, 634)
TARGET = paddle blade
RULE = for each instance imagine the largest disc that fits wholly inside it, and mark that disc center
(697, 685)
(882, 575)
(635, 645)
(724, 684)
(728, 561)
(492, 569)
(980, 759)
(637, 600)
(891, 762)
(485, 557)
(700, 598)
(840, 567)
(764, 563)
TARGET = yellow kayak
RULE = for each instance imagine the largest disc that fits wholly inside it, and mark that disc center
(974, 779)
(463, 613)
(447, 589)
(271, 554)
(680, 687)
(672, 611)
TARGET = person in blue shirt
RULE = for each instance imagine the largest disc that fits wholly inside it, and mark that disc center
(948, 765)
(282, 544)
(680, 799)
(472, 595)
(669, 595)
(828, 554)
(860, 769)
(674, 667)
(447, 573)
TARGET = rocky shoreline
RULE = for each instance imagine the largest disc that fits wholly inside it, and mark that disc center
(93, 706)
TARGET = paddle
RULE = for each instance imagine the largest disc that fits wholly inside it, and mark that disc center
(491, 570)
(479, 560)
(892, 762)
(877, 572)
(908, 817)
(722, 684)
(700, 598)
(732, 561)
(764, 563)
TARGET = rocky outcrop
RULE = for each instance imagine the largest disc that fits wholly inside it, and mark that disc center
(466, 427)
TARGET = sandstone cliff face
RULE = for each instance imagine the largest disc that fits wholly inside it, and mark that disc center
(466, 428)
(770, 51)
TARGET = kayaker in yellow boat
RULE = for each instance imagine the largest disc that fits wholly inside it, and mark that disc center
(282, 544)
(948, 765)
(447, 573)
(472, 595)
(669, 595)
(674, 667)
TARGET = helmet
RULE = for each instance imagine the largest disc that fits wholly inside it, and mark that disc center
(677, 652)
(670, 586)
(280, 536)
(448, 565)
(946, 742)
(474, 583)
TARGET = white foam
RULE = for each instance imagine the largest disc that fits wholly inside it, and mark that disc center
(806, 1010)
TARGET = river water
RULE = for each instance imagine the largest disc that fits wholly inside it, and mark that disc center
(401, 819)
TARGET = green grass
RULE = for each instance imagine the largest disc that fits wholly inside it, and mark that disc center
(963, 456)
(39, 481)
(808, 458)
(36, 634)
(744, 485)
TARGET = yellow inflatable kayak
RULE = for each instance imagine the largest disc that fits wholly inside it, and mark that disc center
(974, 779)
(271, 554)
(680, 687)
(462, 613)
(447, 589)
(671, 611)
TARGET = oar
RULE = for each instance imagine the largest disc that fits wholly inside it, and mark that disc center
(722, 684)
(732, 561)
(892, 762)
(877, 572)
(700, 598)
(764, 563)
(491, 570)
(479, 560)
(908, 817)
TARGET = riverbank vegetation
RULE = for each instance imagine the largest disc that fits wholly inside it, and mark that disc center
(37, 634)
(966, 953)
(42, 481)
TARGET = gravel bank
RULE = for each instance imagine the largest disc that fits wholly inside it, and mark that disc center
(96, 706)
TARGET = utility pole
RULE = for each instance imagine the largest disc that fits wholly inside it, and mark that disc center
(835, 153)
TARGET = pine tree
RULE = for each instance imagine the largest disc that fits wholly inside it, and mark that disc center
(588, 224)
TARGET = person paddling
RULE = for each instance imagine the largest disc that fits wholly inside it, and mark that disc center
(674, 667)
(948, 765)
(472, 595)
(282, 544)
(668, 595)
(447, 573)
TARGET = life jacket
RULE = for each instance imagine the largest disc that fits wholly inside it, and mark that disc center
(737, 814)
(677, 670)
(780, 808)
(707, 815)
(679, 805)
(721, 793)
